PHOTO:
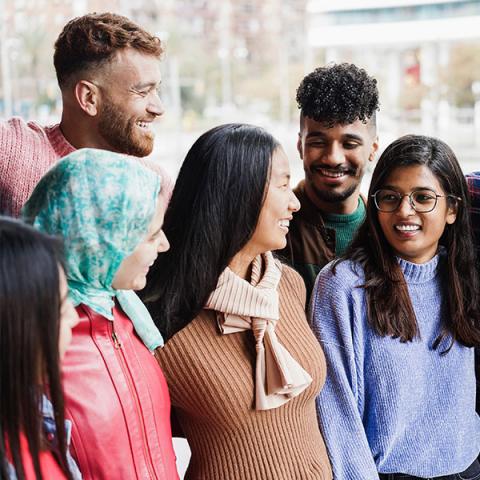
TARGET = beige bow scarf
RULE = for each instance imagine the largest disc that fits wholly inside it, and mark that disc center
(255, 306)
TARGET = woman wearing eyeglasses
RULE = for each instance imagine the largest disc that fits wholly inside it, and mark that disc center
(397, 317)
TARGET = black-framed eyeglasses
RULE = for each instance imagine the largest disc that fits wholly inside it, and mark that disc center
(422, 200)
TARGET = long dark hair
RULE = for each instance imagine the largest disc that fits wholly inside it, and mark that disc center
(29, 332)
(213, 213)
(390, 309)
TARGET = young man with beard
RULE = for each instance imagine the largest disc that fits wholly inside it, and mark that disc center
(108, 72)
(337, 139)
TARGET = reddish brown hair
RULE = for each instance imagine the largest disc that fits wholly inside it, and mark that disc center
(90, 41)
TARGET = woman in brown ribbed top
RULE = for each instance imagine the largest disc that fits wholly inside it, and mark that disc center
(241, 363)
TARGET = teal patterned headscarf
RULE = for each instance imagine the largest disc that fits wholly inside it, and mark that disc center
(102, 204)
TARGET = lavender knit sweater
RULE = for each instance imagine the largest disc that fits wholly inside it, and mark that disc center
(389, 406)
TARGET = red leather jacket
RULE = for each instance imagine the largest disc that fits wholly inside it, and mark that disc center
(48, 464)
(117, 399)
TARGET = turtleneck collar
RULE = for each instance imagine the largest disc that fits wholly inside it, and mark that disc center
(421, 272)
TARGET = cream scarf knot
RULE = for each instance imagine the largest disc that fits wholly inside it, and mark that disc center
(255, 305)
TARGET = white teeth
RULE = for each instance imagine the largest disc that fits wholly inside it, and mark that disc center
(284, 223)
(407, 228)
(143, 124)
(328, 173)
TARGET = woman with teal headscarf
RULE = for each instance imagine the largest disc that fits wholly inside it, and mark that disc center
(108, 210)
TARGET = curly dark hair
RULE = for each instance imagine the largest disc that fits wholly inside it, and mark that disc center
(92, 40)
(338, 94)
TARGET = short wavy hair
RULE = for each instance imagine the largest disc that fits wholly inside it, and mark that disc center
(338, 94)
(88, 42)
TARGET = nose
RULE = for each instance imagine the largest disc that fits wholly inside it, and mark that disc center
(155, 106)
(334, 155)
(405, 208)
(163, 243)
(294, 203)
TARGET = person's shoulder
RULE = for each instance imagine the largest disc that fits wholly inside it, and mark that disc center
(290, 275)
(473, 175)
(181, 348)
(18, 126)
(19, 134)
(293, 279)
(339, 276)
(342, 269)
(293, 282)
(473, 181)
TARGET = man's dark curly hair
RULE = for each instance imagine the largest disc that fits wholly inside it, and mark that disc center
(92, 40)
(338, 94)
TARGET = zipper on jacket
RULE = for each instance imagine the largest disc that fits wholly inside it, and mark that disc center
(116, 341)
(123, 363)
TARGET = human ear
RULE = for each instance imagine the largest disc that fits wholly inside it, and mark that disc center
(373, 150)
(299, 145)
(87, 95)
(452, 212)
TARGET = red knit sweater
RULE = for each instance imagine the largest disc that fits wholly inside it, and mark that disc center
(27, 151)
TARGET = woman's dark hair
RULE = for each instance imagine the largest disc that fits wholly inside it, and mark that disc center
(390, 309)
(213, 213)
(29, 332)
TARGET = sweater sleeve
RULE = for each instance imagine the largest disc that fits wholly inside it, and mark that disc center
(340, 403)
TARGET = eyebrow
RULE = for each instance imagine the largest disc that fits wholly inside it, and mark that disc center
(346, 136)
(155, 234)
(392, 187)
(283, 175)
(140, 86)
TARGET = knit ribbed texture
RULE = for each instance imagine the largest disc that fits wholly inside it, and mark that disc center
(387, 405)
(242, 305)
(257, 298)
(345, 226)
(211, 381)
(27, 151)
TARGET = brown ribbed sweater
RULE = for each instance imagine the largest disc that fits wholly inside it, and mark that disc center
(211, 382)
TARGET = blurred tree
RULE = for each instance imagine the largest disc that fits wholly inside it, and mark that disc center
(35, 64)
(463, 69)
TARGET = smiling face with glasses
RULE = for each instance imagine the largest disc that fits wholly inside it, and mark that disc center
(413, 211)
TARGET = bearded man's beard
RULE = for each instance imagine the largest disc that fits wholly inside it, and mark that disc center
(331, 195)
(122, 133)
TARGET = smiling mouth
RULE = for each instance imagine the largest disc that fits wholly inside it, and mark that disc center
(326, 172)
(407, 228)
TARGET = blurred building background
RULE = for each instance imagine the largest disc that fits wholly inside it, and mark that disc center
(242, 60)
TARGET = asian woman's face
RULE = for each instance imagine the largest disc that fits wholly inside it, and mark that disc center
(414, 236)
(132, 273)
(68, 316)
(277, 210)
